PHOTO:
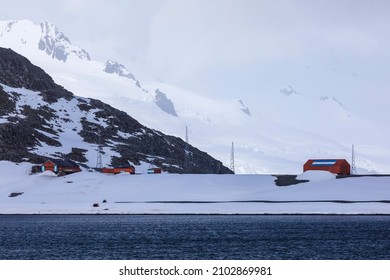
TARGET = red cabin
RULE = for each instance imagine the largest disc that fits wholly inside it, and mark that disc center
(117, 170)
(60, 166)
(154, 170)
(336, 166)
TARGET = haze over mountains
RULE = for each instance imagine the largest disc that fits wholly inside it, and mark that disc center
(273, 132)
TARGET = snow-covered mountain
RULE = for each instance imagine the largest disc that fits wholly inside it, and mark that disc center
(40, 119)
(273, 132)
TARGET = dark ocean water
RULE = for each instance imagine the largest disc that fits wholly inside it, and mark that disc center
(119, 237)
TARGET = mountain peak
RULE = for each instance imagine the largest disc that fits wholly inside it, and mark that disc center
(57, 45)
(113, 67)
(25, 36)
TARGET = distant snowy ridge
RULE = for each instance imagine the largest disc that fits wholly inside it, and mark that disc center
(164, 103)
(244, 108)
(113, 67)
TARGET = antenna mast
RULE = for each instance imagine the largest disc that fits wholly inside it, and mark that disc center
(353, 168)
(99, 161)
(232, 159)
(186, 152)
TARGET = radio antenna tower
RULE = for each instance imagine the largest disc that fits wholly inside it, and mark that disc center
(232, 159)
(186, 152)
(99, 161)
(353, 168)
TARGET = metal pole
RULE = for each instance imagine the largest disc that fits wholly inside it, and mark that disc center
(353, 171)
(232, 159)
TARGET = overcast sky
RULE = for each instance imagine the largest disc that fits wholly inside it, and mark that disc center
(226, 46)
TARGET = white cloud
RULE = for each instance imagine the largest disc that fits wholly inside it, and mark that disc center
(188, 38)
(224, 43)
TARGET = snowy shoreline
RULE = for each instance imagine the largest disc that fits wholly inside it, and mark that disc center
(176, 214)
(95, 193)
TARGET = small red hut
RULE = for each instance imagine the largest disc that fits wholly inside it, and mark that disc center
(336, 166)
(60, 166)
(120, 169)
(154, 170)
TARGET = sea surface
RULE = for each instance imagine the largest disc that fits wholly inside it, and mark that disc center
(211, 237)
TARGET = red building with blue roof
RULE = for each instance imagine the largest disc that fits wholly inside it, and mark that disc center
(336, 166)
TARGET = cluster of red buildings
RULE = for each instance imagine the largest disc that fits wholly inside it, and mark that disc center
(64, 167)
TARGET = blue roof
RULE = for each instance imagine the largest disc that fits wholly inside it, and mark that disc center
(324, 162)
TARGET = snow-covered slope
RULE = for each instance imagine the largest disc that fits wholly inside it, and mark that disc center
(273, 132)
(21, 193)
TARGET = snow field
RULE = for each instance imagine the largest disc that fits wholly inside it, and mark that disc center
(186, 194)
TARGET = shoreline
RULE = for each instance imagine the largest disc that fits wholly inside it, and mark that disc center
(189, 214)
(205, 208)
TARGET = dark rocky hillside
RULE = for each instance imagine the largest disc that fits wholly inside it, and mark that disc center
(38, 117)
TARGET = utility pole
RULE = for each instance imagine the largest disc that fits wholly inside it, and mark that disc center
(353, 168)
(232, 159)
